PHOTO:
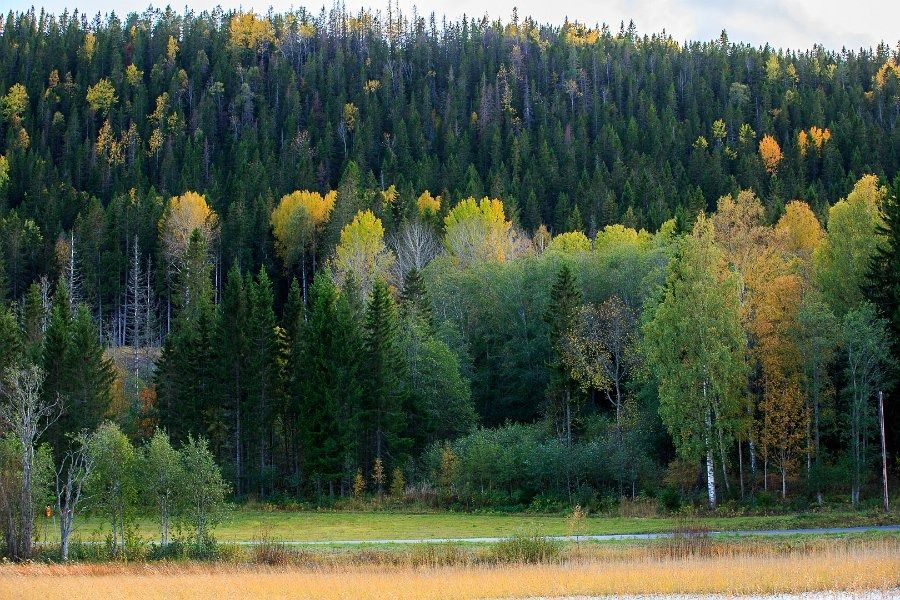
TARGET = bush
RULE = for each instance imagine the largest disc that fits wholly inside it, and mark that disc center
(764, 500)
(525, 549)
(268, 552)
(202, 548)
(670, 499)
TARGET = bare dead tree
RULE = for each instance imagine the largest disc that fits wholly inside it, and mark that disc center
(71, 476)
(414, 245)
(73, 275)
(28, 415)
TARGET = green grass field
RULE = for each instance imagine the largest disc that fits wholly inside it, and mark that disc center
(249, 525)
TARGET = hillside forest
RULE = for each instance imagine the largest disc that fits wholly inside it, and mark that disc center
(474, 263)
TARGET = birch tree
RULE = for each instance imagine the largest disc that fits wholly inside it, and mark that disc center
(362, 253)
(27, 414)
(866, 343)
(162, 480)
(72, 475)
(203, 488)
(414, 245)
(696, 347)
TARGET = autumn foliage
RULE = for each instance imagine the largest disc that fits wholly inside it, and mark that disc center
(770, 153)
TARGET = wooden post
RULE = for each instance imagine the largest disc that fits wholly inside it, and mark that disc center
(883, 451)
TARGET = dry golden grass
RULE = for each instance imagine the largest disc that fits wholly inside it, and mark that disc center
(850, 567)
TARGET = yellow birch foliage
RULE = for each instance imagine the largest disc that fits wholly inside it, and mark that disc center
(249, 31)
(478, 231)
(362, 252)
(428, 204)
(800, 229)
(182, 216)
(297, 220)
(570, 242)
(770, 153)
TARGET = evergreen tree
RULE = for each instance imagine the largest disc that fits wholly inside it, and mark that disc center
(34, 320)
(262, 377)
(91, 376)
(415, 304)
(187, 378)
(290, 346)
(560, 316)
(380, 422)
(317, 384)
(883, 286)
(231, 347)
(4, 281)
(11, 346)
(55, 359)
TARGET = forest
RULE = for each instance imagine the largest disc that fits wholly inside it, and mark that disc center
(475, 264)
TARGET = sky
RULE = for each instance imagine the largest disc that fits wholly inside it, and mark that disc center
(795, 24)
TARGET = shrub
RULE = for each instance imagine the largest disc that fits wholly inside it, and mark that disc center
(670, 499)
(525, 549)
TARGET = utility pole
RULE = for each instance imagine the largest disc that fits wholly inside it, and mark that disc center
(883, 451)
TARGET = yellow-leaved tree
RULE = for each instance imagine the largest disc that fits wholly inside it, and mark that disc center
(571, 242)
(187, 228)
(842, 260)
(297, 223)
(801, 231)
(770, 153)
(478, 231)
(429, 205)
(362, 254)
(183, 215)
(246, 30)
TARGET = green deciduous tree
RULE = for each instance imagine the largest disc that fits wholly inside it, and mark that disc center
(696, 346)
(851, 241)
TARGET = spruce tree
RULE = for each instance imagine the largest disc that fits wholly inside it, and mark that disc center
(33, 321)
(381, 419)
(91, 375)
(261, 373)
(290, 364)
(560, 316)
(415, 303)
(4, 281)
(231, 353)
(883, 286)
(11, 346)
(315, 385)
(55, 357)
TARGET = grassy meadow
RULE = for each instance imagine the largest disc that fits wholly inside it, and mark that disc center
(254, 524)
(673, 567)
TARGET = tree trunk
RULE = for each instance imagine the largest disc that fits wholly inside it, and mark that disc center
(710, 463)
(27, 509)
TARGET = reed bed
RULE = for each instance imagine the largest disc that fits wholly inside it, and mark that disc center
(826, 565)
